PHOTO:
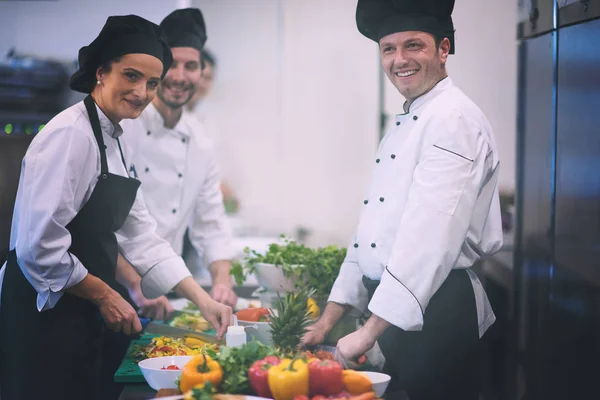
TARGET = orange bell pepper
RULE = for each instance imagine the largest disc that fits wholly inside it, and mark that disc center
(355, 382)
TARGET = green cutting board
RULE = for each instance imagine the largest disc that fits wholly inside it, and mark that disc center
(128, 371)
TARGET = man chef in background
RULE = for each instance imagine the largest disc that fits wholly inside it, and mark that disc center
(431, 211)
(177, 167)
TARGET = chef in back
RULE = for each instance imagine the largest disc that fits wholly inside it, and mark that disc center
(430, 212)
(176, 163)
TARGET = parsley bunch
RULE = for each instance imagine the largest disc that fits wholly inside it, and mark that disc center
(307, 267)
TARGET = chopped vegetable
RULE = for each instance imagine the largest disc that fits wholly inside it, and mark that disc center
(171, 367)
(191, 322)
(164, 346)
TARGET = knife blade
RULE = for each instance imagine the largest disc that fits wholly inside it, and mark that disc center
(167, 330)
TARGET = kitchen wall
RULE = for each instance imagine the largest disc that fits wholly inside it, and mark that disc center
(296, 94)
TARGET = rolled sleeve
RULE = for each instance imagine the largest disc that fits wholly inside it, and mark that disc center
(163, 277)
(209, 230)
(153, 258)
(434, 224)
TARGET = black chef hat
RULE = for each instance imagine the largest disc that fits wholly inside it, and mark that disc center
(378, 18)
(185, 28)
(127, 34)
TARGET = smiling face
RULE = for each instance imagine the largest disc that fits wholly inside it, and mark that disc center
(127, 85)
(179, 84)
(413, 62)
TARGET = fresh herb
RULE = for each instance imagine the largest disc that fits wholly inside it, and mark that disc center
(314, 268)
(236, 361)
(203, 393)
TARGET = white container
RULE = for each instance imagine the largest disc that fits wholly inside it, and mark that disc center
(380, 382)
(159, 378)
(235, 336)
(271, 278)
(260, 331)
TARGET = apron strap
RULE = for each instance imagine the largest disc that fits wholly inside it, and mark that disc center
(90, 106)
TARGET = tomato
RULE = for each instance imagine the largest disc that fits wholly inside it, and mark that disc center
(172, 367)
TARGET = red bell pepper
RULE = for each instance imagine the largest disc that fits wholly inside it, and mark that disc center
(325, 377)
(252, 314)
(258, 375)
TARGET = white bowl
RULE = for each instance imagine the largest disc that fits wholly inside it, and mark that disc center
(271, 277)
(261, 331)
(380, 382)
(158, 378)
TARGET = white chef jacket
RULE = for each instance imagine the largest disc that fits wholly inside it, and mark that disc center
(181, 183)
(432, 206)
(58, 175)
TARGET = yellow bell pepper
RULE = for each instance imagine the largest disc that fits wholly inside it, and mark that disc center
(313, 308)
(289, 379)
(356, 383)
(199, 370)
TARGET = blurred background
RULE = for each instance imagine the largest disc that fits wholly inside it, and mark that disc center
(298, 106)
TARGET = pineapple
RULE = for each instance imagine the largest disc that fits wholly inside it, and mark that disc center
(289, 320)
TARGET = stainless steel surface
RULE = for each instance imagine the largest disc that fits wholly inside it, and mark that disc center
(578, 12)
(557, 270)
(540, 19)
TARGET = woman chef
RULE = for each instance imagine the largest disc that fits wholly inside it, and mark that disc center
(74, 196)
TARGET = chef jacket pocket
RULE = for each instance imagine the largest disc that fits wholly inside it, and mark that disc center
(440, 178)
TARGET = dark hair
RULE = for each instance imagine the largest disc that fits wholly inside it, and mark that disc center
(107, 66)
(208, 57)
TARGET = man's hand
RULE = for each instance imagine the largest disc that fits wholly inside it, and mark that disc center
(118, 314)
(350, 347)
(315, 334)
(159, 309)
(358, 343)
(224, 294)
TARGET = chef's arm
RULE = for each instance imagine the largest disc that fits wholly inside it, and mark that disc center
(332, 314)
(91, 288)
(219, 271)
(433, 228)
(126, 275)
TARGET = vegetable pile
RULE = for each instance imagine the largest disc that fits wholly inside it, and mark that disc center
(256, 369)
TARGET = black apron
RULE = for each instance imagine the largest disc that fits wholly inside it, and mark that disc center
(58, 353)
(441, 361)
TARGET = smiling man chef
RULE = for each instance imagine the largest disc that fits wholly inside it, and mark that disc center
(176, 164)
(430, 212)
